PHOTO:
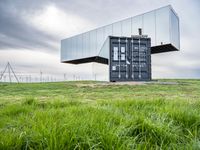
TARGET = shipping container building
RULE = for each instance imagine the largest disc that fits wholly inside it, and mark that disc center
(161, 26)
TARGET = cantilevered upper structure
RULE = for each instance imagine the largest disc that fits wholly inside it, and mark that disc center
(161, 25)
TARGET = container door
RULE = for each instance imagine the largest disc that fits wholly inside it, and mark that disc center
(130, 59)
(140, 59)
(120, 61)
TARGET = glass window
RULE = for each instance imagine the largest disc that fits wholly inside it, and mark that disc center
(126, 27)
(149, 26)
(162, 26)
(136, 24)
(117, 29)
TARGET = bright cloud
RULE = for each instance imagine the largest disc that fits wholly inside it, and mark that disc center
(57, 22)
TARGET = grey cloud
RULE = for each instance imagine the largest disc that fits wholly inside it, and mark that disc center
(16, 33)
(105, 12)
(20, 34)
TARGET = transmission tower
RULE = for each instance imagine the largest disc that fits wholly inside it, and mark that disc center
(10, 71)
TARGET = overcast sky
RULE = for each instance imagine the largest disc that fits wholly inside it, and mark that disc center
(31, 30)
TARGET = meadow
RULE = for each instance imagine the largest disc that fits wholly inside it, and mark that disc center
(98, 115)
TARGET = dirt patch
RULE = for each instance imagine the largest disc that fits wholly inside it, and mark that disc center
(108, 84)
(124, 83)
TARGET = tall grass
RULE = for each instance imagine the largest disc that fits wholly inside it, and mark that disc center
(95, 120)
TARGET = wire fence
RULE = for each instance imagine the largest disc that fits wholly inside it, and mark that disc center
(8, 74)
(32, 78)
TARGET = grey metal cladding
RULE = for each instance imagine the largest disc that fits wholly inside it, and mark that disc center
(161, 25)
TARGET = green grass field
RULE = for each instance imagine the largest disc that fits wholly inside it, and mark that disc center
(95, 115)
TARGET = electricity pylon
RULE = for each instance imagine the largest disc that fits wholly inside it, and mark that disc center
(10, 70)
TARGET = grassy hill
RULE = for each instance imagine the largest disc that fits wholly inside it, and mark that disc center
(98, 115)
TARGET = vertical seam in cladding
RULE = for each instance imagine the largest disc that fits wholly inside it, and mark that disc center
(104, 35)
(139, 60)
(122, 31)
(179, 41)
(126, 49)
(131, 26)
(96, 43)
(112, 29)
(119, 59)
(155, 28)
(132, 58)
(89, 45)
(109, 61)
(170, 25)
(143, 23)
(82, 45)
(121, 27)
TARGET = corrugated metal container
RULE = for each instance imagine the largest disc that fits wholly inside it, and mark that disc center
(130, 58)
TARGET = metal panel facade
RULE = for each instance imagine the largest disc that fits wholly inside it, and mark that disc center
(161, 25)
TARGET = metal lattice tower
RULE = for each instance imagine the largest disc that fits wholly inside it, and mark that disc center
(10, 71)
